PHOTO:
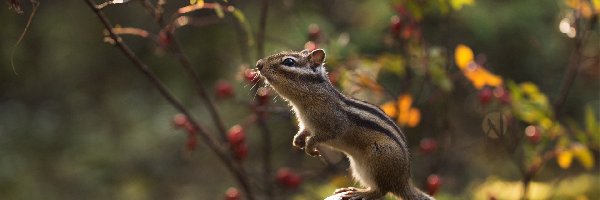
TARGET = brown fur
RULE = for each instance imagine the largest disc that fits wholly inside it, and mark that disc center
(375, 146)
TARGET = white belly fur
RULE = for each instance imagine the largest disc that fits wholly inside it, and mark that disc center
(361, 172)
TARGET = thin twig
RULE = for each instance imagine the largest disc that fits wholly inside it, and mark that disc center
(186, 64)
(35, 4)
(571, 72)
(212, 143)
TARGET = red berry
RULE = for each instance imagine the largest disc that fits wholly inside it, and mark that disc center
(283, 174)
(433, 184)
(192, 141)
(310, 45)
(293, 181)
(232, 194)
(395, 25)
(533, 134)
(502, 95)
(314, 32)
(180, 120)
(263, 95)
(236, 135)
(224, 89)
(505, 98)
(240, 151)
(288, 178)
(428, 145)
(485, 96)
(251, 76)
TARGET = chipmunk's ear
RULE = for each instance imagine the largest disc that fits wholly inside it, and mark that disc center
(317, 56)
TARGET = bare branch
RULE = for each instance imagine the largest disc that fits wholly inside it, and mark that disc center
(35, 4)
(212, 143)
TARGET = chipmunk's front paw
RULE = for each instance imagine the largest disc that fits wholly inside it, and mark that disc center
(300, 139)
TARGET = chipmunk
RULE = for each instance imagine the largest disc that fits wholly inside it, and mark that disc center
(375, 146)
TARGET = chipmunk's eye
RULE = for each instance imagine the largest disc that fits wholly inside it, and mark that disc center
(288, 62)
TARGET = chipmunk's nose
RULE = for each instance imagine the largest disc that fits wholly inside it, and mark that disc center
(259, 64)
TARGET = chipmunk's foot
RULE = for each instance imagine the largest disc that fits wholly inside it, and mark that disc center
(347, 189)
(362, 194)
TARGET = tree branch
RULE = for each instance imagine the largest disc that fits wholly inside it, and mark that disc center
(212, 143)
(187, 66)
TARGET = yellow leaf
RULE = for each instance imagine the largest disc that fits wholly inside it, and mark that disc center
(404, 103)
(545, 123)
(414, 117)
(476, 76)
(463, 55)
(493, 80)
(458, 4)
(193, 1)
(564, 158)
(584, 156)
(389, 108)
(529, 88)
(584, 7)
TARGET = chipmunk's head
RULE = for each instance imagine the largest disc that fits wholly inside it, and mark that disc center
(295, 74)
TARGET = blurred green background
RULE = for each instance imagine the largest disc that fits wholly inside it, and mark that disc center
(78, 121)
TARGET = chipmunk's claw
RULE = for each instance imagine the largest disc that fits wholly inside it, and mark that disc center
(360, 194)
(347, 189)
(312, 152)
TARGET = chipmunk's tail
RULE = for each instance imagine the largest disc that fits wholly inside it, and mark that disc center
(410, 192)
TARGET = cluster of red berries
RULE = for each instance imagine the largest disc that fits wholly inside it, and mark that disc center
(403, 25)
(181, 121)
(237, 139)
(288, 178)
(487, 94)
